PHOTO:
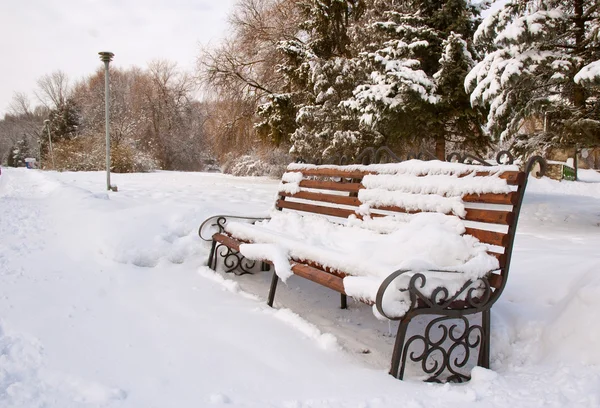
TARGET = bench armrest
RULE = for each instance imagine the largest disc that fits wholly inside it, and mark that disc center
(219, 222)
(474, 293)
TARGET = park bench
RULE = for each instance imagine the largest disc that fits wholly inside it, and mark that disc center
(370, 200)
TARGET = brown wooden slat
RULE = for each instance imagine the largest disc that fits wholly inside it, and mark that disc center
(495, 281)
(316, 209)
(327, 172)
(331, 185)
(489, 216)
(513, 178)
(490, 198)
(318, 276)
(488, 237)
(228, 241)
(485, 216)
(323, 197)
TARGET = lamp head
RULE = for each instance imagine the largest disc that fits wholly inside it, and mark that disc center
(106, 56)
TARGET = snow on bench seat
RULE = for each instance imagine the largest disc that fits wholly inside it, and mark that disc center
(422, 242)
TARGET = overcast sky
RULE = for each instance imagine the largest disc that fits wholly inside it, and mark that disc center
(38, 37)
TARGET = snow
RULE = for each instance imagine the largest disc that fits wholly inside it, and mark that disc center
(590, 72)
(105, 302)
(420, 242)
(437, 184)
(412, 167)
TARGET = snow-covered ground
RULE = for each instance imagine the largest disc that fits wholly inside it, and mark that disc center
(105, 302)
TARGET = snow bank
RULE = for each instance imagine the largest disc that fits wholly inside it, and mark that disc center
(80, 329)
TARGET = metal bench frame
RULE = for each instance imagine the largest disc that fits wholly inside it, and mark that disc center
(446, 344)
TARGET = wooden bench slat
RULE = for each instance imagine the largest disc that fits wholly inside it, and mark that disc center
(228, 241)
(490, 198)
(317, 209)
(331, 185)
(495, 280)
(354, 174)
(318, 276)
(513, 178)
(488, 237)
(489, 216)
(502, 199)
(323, 197)
(476, 215)
(473, 214)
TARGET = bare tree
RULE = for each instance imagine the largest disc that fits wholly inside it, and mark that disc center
(53, 89)
(242, 71)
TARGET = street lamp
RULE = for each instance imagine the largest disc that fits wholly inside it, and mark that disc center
(107, 57)
(47, 123)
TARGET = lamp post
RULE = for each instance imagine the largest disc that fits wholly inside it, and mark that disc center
(47, 123)
(107, 57)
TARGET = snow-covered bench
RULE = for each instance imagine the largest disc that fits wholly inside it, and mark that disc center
(411, 238)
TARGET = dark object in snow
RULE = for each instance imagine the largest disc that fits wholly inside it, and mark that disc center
(458, 329)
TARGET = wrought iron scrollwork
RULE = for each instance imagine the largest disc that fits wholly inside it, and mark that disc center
(367, 156)
(448, 341)
(370, 155)
(505, 157)
(234, 261)
(536, 160)
(217, 223)
(444, 348)
(474, 294)
(466, 158)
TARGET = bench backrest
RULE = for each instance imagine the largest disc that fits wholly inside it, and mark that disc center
(340, 191)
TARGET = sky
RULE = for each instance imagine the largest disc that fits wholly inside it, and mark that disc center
(38, 37)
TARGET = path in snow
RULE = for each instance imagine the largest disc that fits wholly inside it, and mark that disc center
(101, 304)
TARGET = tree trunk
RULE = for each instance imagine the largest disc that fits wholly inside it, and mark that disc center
(440, 148)
(578, 90)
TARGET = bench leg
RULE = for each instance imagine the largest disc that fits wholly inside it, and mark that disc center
(484, 351)
(397, 369)
(343, 301)
(442, 348)
(274, 281)
(212, 262)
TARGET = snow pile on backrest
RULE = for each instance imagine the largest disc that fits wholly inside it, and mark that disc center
(420, 186)
(376, 198)
(443, 185)
(413, 167)
(290, 182)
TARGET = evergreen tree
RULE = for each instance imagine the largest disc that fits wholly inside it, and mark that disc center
(418, 63)
(541, 66)
(64, 121)
(18, 153)
(319, 73)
